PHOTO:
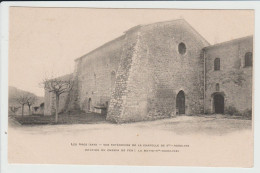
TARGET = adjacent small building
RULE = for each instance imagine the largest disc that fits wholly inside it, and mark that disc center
(161, 70)
(228, 76)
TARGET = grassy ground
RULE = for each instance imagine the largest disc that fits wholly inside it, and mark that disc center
(86, 118)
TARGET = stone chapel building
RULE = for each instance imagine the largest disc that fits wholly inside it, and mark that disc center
(160, 70)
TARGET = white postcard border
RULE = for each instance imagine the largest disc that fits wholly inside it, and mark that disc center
(27, 168)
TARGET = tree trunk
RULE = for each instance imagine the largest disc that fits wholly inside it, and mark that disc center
(22, 110)
(29, 110)
(57, 108)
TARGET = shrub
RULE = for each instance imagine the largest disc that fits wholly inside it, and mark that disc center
(207, 112)
(231, 110)
(247, 114)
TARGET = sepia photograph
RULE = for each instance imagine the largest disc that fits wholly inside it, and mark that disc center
(136, 87)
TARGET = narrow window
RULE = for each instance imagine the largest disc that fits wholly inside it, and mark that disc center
(217, 87)
(113, 79)
(217, 64)
(89, 105)
(95, 80)
(248, 59)
(182, 48)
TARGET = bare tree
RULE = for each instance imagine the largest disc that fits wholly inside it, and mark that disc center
(22, 99)
(58, 86)
(14, 109)
(31, 101)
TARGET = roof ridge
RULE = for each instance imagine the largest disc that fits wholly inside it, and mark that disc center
(95, 49)
(143, 25)
(165, 21)
(187, 23)
(229, 41)
(194, 30)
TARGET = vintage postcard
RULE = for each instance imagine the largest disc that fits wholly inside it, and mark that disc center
(145, 87)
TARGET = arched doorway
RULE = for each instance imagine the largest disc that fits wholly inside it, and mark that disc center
(180, 103)
(218, 103)
(89, 104)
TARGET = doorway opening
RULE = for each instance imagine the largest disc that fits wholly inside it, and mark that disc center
(180, 103)
(218, 104)
(89, 104)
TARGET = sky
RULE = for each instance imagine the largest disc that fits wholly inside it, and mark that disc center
(44, 42)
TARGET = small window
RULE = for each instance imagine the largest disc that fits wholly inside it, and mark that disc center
(248, 59)
(95, 79)
(182, 48)
(217, 87)
(217, 64)
(113, 79)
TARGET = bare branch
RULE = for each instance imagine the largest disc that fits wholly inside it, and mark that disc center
(31, 99)
(58, 85)
(14, 109)
(23, 98)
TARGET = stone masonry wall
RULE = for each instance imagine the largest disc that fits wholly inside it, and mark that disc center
(173, 72)
(73, 95)
(235, 80)
(48, 103)
(138, 75)
(95, 73)
(50, 100)
(152, 72)
(118, 98)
